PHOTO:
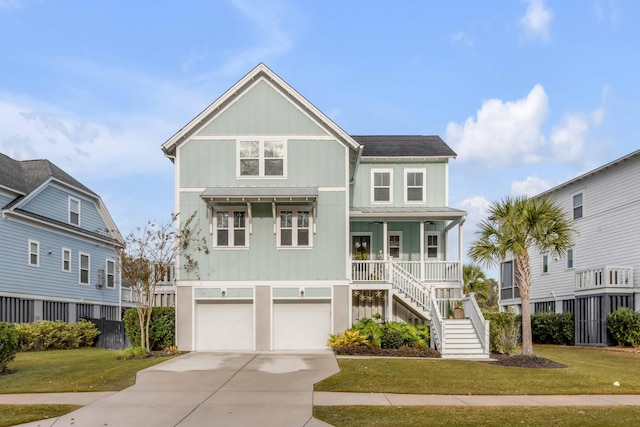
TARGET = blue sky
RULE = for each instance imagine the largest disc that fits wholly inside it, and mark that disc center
(528, 93)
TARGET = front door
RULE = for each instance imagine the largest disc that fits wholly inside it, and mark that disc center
(360, 247)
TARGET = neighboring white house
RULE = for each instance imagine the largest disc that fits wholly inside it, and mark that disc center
(601, 272)
(311, 228)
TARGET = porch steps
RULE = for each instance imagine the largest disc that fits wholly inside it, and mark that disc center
(461, 340)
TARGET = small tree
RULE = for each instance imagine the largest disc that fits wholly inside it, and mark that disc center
(149, 254)
(515, 226)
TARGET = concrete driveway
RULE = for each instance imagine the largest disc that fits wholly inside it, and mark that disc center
(215, 389)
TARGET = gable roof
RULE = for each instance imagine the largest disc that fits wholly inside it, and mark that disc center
(261, 71)
(612, 164)
(404, 146)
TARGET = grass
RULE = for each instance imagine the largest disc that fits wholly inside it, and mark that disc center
(89, 369)
(590, 371)
(19, 414)
(376, 416)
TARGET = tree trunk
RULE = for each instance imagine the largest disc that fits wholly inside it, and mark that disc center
(523, 280)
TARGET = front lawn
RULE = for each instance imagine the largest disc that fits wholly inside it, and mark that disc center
(89, 369)
(590, 371)
(378, 416)
(20, 414)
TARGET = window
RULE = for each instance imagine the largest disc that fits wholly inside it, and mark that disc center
(231, 228)
(570, 258)
(414, 187)
(84, 269)
(74, 211)
(34, 253)
(545, 263)
(382, 182)
(66, 259)
(394, 245)
(508, 286)
(294, 228)
(432, 246)
(111, 273)
(261, 158)
(577, 206)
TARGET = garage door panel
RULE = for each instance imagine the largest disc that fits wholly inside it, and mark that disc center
(224, 325)
(301, 325)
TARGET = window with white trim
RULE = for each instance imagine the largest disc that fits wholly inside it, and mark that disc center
(261, 158)
(577, 206)
(84, 268)
(74, 211)
(570, 258)
(432, 246)
(381, 185)
(111, 273)
(395, 240)
(545, 263)
(231, 228)
(34, 253)
(66, 260)
(295, 228)
(414, 186)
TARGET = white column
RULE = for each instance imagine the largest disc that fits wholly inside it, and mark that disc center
(460, 248)
(421, 250)
(385, 242)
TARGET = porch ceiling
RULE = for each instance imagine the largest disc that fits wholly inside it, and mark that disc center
(389, 213)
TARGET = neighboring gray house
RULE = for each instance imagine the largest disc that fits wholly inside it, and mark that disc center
(57, 247)
(311, 228)
(601, 272)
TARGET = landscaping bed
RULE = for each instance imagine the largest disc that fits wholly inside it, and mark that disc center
(520, 361)
(385, 352)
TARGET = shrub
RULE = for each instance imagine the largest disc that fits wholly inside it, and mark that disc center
(371, 329)
(45, 335)
(391, 339)
(161, 327)
(136, 352)
(391, 334)
(86, 331)
(624, 326)
(8, 344)
(553, 328)
(349, 338)
(504, 332)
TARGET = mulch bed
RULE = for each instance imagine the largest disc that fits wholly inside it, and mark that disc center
(520, 361)
(386, 352)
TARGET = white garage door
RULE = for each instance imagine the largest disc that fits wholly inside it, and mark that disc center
(301, 325)
(224, 325)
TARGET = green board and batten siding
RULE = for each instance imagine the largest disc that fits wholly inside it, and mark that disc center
(319, 163)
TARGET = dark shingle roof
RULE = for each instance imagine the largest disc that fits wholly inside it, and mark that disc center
(26, 175)
(404, 146)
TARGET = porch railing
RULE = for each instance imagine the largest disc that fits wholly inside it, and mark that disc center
(471, 311)
(427, 271)
(607, 276)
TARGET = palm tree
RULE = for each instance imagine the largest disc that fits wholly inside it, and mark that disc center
(475, 281)
(513, 228)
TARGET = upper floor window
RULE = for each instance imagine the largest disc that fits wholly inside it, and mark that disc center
(34, 253)
(74, 211)
(66, 259)
(111, 273)
(570, 258)
(84, 269)
(545, 263)
(508, 286)
(294, 228)
(577, 206)
(382, 185)
(231, 228)
(414, 186)
(261, 158)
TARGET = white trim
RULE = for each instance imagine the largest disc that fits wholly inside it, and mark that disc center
(374, 171)
(438, 234)
(446, 184)
(82, 300)
(80, 255)
(106, 273)
(29, 253)
(236, 136)
(253, 283)
(332, 189)
(68, 251)
(423, 171)
(230, 228)
(191, 189)
(394, 233)
(71, 200)
(294, 227)
(262, 140)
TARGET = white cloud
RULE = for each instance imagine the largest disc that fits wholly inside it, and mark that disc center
(503, 132)
(531, 186)
(536, 21)
(461, 38)
(606, 10)
(82, 147)
(476, 207)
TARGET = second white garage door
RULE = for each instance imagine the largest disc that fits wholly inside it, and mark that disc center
(224, 325)
(301, 325)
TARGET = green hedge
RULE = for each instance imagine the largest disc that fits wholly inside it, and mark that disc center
(504, 332)
(161, 330)
(45, 335)
(8, 344)
(553, 328)
(624, 326)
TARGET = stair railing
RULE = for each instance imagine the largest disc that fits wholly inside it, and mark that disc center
(437, 326)
(473, 312)
(417, 292)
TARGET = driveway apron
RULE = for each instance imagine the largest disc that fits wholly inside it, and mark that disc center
(215, 389)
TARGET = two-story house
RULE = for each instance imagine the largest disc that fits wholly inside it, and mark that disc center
(310, 228)
(601, 272)
(57, 246)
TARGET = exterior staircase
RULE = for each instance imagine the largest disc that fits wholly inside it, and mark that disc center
(461, 341)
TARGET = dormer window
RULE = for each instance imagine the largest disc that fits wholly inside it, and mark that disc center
(74, 211)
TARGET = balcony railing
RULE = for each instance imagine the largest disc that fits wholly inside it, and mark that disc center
(428, 271)
(609, 276)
